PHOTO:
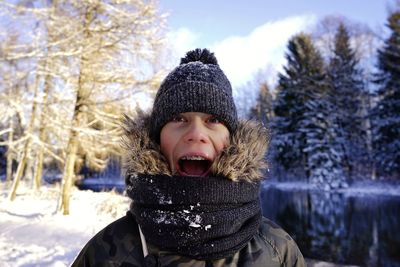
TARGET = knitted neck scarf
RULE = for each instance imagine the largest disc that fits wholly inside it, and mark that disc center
(199, 217)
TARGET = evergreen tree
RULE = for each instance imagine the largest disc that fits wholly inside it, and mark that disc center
(304, 70)
(323, 151)
(347, 90)
(263, 108)
(385, 116)
(303, 128)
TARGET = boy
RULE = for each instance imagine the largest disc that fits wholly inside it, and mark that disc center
(193, 173)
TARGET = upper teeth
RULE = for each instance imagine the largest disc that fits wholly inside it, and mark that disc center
(193, 158)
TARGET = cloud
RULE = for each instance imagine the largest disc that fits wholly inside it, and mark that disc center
(241, 57)
(179, 42)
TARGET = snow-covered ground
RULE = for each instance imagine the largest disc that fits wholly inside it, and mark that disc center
(356, 189)
(33, 233)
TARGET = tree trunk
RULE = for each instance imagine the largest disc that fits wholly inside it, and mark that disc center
(72, 148)
(10, 151)
(20, 169)
(42, 135)
(39, 168)
(369, 141)
(73, 142)
(27, 148)
(69, 171)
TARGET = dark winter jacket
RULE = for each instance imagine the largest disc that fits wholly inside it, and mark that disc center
(119, 244)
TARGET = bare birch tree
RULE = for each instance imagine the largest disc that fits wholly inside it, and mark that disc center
(95, 57)
(109, 32)
(13, 90)
(12, 79)
(25, 52)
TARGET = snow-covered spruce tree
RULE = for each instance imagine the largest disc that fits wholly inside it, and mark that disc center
(323, 149)
(385, 116)
(303, 138)
(303, 68)
(347, 84)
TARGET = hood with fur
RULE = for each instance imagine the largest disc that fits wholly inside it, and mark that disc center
(242, 160)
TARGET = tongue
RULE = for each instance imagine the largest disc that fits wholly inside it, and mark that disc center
(194, 167)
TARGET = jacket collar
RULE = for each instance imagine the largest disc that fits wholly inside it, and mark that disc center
(242, 160)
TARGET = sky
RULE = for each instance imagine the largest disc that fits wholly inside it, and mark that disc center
(251, 36)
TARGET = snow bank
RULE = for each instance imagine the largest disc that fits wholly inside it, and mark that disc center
(363, 188)
(33, 233)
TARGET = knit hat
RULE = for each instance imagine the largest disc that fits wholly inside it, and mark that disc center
(196, 85)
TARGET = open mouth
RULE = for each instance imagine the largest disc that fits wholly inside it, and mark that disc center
(194, 166)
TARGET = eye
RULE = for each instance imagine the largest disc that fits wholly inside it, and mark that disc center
(177, 118)
(214, 120)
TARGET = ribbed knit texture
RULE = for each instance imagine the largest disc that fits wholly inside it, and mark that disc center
(202, 218)
(196, 85)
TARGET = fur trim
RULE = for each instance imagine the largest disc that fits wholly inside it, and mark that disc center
(242, 160)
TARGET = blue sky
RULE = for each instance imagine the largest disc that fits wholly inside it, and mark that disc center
(247, 36)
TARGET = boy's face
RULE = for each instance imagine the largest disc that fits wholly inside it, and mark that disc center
(191, 141)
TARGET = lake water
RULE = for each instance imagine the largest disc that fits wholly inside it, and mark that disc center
(360, 229)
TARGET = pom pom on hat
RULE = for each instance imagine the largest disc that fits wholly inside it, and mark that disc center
(202, 55)
(196, 85)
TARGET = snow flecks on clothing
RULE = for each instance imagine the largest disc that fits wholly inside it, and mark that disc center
(177, 218)
(165, 201)
(195, 225)
(196, 222)
(162, 199)
(162, 219)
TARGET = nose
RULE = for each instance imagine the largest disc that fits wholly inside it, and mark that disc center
(196, 132)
